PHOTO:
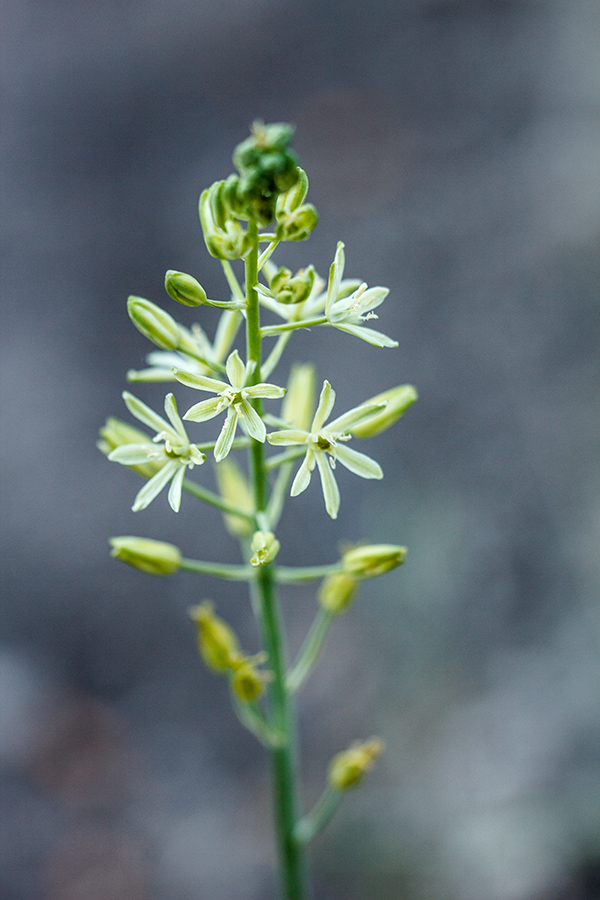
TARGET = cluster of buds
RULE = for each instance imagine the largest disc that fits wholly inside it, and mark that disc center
(219, 647)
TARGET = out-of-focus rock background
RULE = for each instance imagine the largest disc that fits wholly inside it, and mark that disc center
(455, 148)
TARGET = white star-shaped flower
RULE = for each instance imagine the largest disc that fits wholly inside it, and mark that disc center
(325, 444)
(235, 397)
(170, 445)
(349, 311)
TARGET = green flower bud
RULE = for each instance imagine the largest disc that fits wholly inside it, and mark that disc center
(398, 399)
(248, 682)
(184, 288)
(234, 487)
(297, 225)
(265, 546)
(296, 289)
(294, 196)
(223, 235)
(337, 593)
(217, 643)
(347, 769)
(299, 403)
(154, 323)
(154, 557)
(371, 560)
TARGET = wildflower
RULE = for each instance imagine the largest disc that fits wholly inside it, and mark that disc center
(347, 312)
(234, 397)
(325, 445)
(171, 446)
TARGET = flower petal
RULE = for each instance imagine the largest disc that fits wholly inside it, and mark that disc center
(174, 495)
(354, 415)
(302, 479)
(252, 421)
(225, 439)
(236, 371)
(367, 334)
(144, 413)
(326, 401)
(135, 454)
(200, 382)
(287, 438)
(269, 391)
(359, 463)
(174, 417)
(336, 272)
(206, 409)
(153, 487)
(331, 492)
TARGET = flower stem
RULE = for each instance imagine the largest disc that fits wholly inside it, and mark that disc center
(309, 827)
(282, 717)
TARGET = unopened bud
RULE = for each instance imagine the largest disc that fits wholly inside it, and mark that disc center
(294, 196)
(299, 404)
(289, 289)
(154, 323)
(265, 546)
(184, 288)
(337, 592)
(348, 768)
(398, 400)
(247, 681)
(234, 488)
(370, 560)
(217, 642)
(297, 225)
(154, 557)
(223, 235)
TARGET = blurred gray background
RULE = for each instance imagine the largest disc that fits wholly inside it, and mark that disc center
(455, 148)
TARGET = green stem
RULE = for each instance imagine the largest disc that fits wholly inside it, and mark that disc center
(291, 326)
(309, 827)
(310, 651)
(283, 757)
(214, 500)
(300, 574)
(225, 571)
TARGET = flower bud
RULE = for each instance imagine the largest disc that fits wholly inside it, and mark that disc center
(337, 593)
(399, 399)
(370, 560)
(290, 289)
(297, 225)
(154, 557)
(184, 288)
(217, 643)
(299, 403)
(223, 235)
(234, 488)
(247, 681)
(265, 546)
(154, 323)
(294, 196)
(116, 433)
(348, 768)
